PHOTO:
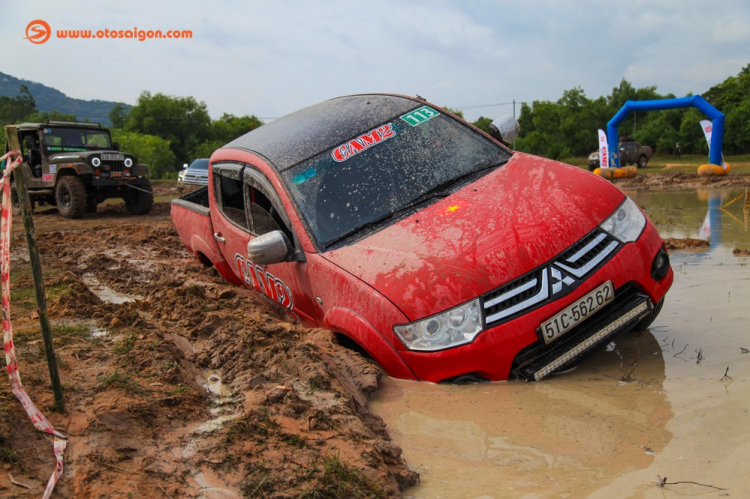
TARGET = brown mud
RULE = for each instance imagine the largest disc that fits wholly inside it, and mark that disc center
(663, 181)
(686, 243)
(186, 386)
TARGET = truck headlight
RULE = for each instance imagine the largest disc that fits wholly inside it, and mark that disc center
(626, 223)
(448, 329)
(95, 161)
(128, 162)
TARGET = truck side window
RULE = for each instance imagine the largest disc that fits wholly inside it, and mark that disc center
(264, 208)
(231, 199)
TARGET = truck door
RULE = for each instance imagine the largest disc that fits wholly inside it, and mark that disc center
(627, 153)
(247, 206)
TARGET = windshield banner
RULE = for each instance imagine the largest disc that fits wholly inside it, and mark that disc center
(603, 150)
(363, 142)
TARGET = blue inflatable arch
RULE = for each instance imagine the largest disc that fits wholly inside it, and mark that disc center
(717, 118)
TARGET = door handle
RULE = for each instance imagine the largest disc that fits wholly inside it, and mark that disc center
(218, 237)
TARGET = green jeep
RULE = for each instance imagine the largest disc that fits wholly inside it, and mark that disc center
(76, 166)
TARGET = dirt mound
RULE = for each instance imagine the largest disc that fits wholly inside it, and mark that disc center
(686, 243)
(187, 385)
(741, 252)
(681, 181)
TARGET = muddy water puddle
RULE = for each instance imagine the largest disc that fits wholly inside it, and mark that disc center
(105, 293)
(670, 402)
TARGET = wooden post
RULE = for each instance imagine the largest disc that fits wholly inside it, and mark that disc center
(11, 138)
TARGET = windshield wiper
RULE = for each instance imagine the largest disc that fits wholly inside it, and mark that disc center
(348, 233)
(439, 190)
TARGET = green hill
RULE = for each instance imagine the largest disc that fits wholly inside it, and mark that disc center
(49, 99)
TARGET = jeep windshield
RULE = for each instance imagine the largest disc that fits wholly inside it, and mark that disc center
(74, 139)
(388, 172)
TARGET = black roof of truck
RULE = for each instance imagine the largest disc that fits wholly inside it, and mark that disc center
(295, 137)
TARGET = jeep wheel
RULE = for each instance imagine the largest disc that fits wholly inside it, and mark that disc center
(138, 202)
(642, 162)
(15, 203)
(91, 204)
(71, 197)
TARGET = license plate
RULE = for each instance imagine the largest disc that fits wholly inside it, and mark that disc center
(577, 312)
(113, 157)
(116, 174)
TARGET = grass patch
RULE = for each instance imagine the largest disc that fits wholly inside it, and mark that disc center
(65, 334)
(256, 426)
(122, 381)
(341, 480)
(126, 345)
(8, 455)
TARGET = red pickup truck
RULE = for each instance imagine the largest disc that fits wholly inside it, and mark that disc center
(440, 252)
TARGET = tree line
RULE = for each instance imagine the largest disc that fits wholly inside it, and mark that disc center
(165, 131)
(568, 128)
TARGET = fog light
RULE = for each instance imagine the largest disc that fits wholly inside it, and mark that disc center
(660, 267)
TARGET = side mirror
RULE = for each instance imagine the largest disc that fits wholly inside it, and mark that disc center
(272, 247)
(505, 129)
(116, 146)
(184, 166)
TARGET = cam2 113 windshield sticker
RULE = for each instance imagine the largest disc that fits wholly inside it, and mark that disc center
(363, 142)
(419, 116)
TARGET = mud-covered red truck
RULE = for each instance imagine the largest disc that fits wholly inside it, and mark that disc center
(439, 251)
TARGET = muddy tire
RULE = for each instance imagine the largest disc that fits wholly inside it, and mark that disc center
(138, 202)
(646, 322)
(642, 162)
(70, 196)
(91, 204)
(14, 202)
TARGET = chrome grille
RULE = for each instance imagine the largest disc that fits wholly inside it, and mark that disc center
(516, 296)
(587, 254)
(551, 281)
(114, 166)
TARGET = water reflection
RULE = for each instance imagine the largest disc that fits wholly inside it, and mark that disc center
(571, 434)
(713, 215)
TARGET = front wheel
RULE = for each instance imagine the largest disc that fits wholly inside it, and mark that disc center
(140, 200)
(70, 196)
(646, 321)
(642, 162)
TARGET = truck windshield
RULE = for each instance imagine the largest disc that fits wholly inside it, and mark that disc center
(74, 139)
(199, 164)
(385, 171)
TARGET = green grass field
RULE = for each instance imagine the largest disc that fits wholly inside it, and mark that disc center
(689, 163)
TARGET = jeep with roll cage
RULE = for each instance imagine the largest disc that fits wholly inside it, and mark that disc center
(75, 166)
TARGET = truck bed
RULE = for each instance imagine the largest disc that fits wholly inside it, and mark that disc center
(191, 217)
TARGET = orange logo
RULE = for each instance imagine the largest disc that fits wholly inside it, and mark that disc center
(38, 32)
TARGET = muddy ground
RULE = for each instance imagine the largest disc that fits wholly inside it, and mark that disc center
(193, 389)
(661, 181)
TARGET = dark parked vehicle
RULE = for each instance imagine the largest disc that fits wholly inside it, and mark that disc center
(631, 153)
(75, 166)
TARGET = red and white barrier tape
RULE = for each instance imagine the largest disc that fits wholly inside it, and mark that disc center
(37, 418)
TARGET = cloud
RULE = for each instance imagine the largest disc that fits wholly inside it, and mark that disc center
(271, 58)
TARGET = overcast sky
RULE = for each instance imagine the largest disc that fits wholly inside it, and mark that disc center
(272, 58)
